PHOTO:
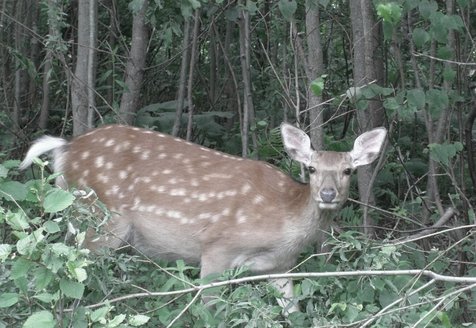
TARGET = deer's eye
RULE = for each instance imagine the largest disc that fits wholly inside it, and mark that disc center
(348, 171)
(311, 169)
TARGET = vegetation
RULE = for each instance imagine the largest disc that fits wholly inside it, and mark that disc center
(225, 74)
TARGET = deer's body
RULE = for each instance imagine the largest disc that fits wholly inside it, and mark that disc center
(175, 200)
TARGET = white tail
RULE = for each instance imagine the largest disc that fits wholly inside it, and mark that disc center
(176, 200)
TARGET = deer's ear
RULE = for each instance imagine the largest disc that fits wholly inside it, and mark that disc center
(368, 146)
(296, 143)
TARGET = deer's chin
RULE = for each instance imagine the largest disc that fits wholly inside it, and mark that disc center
(328, 206)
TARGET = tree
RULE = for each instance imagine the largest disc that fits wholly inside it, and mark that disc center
(134, 73)
(367, 68)
(83, 81)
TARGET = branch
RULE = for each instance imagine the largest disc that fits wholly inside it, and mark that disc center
(300, 275)
(441, 221)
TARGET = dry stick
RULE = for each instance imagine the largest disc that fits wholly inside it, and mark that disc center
(383, 311)
(299, 275)
(185, 309)
(441, 221)
(414, 305)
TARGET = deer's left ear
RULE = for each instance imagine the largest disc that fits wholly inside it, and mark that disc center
(367, 147)
(297, 143)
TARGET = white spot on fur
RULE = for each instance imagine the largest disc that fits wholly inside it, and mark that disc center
(162, 156)
(178, 156)
(241, 217)
(85, 155)
(99, 161)
(258, 199)
(123, 174)
(178, 192)
(166, 171)
(246, 188)
(103, 178)
(109, 165)
(145, 155)
(110, 142)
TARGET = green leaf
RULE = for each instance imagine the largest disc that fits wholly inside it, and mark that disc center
(416, 98)
(5, 250)
(41, 319)
(18, 221)
(444, 52)
(99, 314)
(427, 8)
(442, 153)
(287, 8)
(391, 104)
(13, 190)
(20, 268)
(71, 288)
(51, 227)
(390, 12)
(80, 274)
(43, 277)
(47, 297)
(3, 171)
(251, 7)
(8, 299)
(317, 86)
(138, 320)
(420, 37)
(437, 101)
(117, 320)
(449, 74)
(27, 245)
(57, 200)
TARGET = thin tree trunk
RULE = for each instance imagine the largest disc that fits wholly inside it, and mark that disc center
(45, 103)
(315, 69)
(196, 19)
(19, 74)
(248, 109)
(113, 30)
(80, 89)
(134, 74)
(183, 76)
(367, 68)
(34, 52)
(92, 61)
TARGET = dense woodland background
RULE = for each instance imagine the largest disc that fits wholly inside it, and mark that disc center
(225, 73)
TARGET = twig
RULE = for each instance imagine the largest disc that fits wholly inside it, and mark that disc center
(185, 309)
(384, 310)
(299, 275)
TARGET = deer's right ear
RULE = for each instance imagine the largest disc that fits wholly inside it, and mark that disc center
(296, 143)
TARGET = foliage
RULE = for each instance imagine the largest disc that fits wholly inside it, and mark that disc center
(47, 279)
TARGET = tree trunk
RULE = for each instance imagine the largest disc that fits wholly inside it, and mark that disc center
(315, 68)
(82, 82)
(183, 76)
(248, 108)
(92, 61)
(196, 20)
(134, 74)
(368, 67)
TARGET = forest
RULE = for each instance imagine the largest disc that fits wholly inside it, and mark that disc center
(224, 74)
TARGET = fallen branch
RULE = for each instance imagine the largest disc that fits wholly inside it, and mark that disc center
(438, 224)
(200, 288)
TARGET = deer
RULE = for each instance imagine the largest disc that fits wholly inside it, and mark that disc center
(172, 199)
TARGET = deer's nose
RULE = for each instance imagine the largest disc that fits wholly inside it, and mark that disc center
(327, 194)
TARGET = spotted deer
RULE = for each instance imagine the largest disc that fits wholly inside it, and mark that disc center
(173, 199)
